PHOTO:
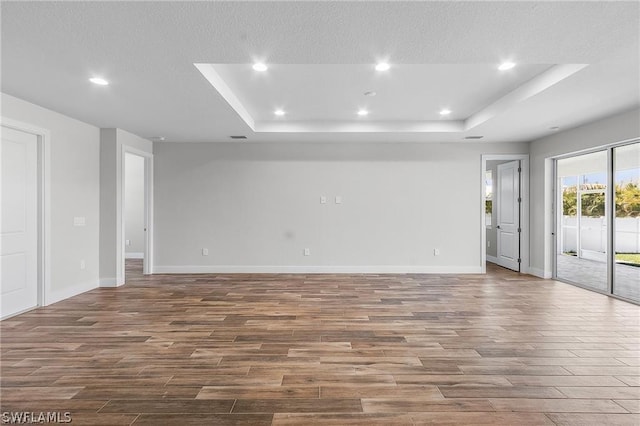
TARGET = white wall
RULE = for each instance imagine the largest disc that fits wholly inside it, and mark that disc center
(108, 206)
(75, 165)
(134, 205)
(256, 207)
(620, 127)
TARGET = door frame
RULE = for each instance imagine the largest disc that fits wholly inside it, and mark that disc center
(551, 248)
(517, 230)
(148, 212)
(524, 209)
(557, 217)
(44, 205)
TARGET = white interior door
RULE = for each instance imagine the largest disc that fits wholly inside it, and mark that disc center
(508, 217)
(18, 222)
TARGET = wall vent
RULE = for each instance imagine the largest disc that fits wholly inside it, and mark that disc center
(238, 137)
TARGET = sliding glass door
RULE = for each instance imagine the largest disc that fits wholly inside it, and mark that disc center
(582, 253)
(598, 220)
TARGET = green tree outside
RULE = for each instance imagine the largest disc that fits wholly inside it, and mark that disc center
(593, 205)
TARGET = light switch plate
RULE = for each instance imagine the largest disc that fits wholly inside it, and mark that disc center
(307, 252)
(323, 199)
(205, 252)
(338, 199)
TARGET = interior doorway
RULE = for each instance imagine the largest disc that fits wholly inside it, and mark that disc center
(507, 206)
(134, 212)
(505, 211)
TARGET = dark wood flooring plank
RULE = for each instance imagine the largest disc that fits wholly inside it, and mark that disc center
(297, 405)
(557, 405)
(390, 405)
(258, 392)
(501, 392)
(384, 419)
(173, 406)
(204, 419)
(389, 391)
(590, 419)
(601, 392)
(480, 419)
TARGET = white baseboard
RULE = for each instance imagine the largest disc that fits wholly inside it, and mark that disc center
(539, 273)
(336, 269)
(108, 282)
(134, 255)
(4, 317)
(57, 295)
(492, 259)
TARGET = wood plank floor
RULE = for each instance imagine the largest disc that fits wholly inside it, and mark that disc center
(500, 348)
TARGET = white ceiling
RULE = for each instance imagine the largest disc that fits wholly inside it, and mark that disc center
(328, 97)
(443, 54)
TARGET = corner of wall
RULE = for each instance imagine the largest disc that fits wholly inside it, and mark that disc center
(55, 296)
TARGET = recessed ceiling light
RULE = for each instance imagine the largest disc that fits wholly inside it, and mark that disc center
(474, 137)
(363, 112)
(445, 111)
(259, 66)
(370, 93)
(506, 66)
(99, 81)
(382, 66)
(279, 112)
(157, 138)
(554, 128)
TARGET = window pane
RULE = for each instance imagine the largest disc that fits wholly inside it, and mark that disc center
(569, 196)
(626, 272)
(593, 204)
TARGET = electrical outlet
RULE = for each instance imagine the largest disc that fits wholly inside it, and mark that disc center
(436, 252)
(307, 252)
(205, 252)
(82, 264)
(323, 199)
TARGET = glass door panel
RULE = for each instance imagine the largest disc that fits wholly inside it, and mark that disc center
(626, 241)
(582, 223)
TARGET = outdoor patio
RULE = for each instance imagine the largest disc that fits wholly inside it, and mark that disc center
(593, 274)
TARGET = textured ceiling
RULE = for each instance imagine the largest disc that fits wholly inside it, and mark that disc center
(147, 51)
